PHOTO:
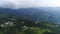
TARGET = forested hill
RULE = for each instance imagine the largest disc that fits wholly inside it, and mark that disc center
(33, 13)
(28, 21)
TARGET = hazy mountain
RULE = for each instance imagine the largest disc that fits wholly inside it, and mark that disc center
(41, 14)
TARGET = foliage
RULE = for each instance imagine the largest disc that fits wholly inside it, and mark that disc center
(27, 26)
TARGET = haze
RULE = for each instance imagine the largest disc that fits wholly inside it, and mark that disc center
(29, 3)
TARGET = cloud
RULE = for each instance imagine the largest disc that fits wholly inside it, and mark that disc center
(29, 3)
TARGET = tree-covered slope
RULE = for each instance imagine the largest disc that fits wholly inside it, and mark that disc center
(33, 13)
(28, 21)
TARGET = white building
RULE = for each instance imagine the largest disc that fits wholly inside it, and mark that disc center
(7, 24)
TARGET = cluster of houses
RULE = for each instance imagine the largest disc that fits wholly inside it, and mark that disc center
(7, 24)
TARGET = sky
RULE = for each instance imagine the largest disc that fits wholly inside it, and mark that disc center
(29, 3)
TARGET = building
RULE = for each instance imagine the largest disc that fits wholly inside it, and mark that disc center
(8, 23)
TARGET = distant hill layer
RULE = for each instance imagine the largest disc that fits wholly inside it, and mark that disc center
(33, 13)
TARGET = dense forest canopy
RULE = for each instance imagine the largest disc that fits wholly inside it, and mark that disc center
(28, 21)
